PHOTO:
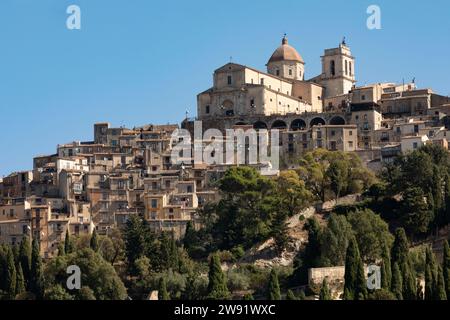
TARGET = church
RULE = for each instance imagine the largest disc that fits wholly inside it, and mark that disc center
(240, 91)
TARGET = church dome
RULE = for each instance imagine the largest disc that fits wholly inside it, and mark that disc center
(285, 53)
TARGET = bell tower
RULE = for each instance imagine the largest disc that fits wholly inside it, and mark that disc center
(338, 70)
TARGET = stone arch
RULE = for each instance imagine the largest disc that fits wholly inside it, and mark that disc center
(228, 108)
(317, 121)
(298, 124)
(259, 125)
(337, 121)
(279, 124)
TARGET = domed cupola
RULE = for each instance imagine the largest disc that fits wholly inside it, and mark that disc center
(286, 62)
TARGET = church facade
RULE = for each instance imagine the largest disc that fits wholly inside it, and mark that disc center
(240, 91)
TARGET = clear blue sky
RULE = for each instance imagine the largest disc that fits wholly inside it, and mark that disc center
(140, 61)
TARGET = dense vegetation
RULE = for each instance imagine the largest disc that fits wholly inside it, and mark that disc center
(409, 202)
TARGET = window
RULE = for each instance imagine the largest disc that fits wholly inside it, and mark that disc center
(262, 81)
(189, 189)
(350, 144)
(346, 67)
(154, 203)
(399, 130)
(291, 148)
(350, 68)
(416, 128)
(350, 133)
(332, 68)
(278, 72)
(252, 102)
(290, 72)
(319, 135)
(333, 133)
(207, 109)
(333, 146)
(363, 97)
(11, 212)
(414, 145)
(229, 80)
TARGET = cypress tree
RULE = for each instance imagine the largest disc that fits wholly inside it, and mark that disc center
(217, 287)
(386, 270)
(384, 280)
(20, 281)
(440, 286)
(400, 256)
(290, 296)
(437, 189)
(94, 241)
(68, 244)
(409, 283)
(189, 236)
(273, 292)
(248, 297)
(25, 258)
(429, 283)
(355, 280)
(397, 287)
(325, 293)
(430, 275)
(2, 267)
(61, 251)
(37, 278)
(446, 268)
(163, 294)
(15, 250)
(302, 295)
(400, 248)
(174, 254)
(11, 275)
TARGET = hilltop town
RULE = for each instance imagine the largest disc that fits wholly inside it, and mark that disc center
(97, 187)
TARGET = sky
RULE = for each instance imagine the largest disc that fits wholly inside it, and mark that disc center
(141, 61)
